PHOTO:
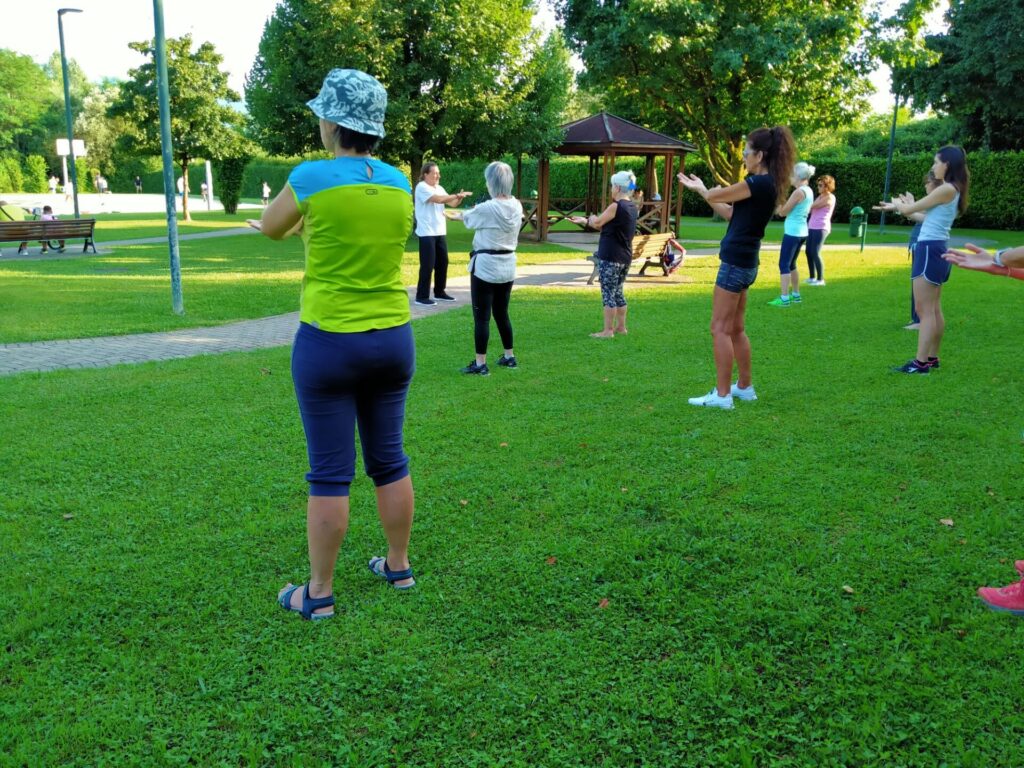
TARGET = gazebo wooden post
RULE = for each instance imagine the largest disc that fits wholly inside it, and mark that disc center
(649, 179)
(604, 182)
(519, 177)
(543, 198)
(679, 193)
(667, 186)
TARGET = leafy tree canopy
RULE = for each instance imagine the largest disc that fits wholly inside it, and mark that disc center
(463, 78)
(24, 95)
(712, 70)
(202, 123)
(976, 74)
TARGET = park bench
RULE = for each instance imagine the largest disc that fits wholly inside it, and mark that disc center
(647, 247)
(49, 232)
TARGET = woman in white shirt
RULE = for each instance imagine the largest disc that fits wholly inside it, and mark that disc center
(492, 265)
(429, 199)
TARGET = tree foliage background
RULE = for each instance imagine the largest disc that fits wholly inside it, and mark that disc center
(975, 72)
(711, 70)
(202, 123)
(464, 78)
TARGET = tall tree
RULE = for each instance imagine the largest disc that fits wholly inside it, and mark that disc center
(711, 70)
(24, 96)
(458, 74)
(976, 74)
(202, 123)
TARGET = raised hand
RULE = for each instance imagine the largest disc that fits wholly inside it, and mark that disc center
(692, 182)
(972, 257)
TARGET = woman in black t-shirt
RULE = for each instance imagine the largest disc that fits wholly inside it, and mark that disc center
(614, 251)
(747, 206)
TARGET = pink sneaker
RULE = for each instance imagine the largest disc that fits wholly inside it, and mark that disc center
(1009, 598)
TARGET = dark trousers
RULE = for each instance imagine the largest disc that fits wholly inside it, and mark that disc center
(490, 298)
(433, 259)
(815, 239)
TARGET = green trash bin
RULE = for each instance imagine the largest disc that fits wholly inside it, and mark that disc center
(858, 225)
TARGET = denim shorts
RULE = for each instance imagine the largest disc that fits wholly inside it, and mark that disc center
(735, 279)
(928, 262)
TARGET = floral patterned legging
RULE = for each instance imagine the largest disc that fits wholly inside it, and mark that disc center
(612, 277)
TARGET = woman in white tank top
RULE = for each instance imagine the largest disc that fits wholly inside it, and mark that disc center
(930, 271)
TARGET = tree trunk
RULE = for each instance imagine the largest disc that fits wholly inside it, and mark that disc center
(415, 166)
(186, 215)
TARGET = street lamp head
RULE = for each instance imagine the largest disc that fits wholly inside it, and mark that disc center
(62, 11)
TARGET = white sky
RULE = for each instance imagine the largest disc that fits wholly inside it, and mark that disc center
(98, 38)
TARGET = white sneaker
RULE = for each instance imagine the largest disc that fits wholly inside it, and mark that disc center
(819, 282)
(23, 251)
(809, 281)
(743, 394)
(714, 400)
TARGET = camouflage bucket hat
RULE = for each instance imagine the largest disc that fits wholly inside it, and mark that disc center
(353, 99)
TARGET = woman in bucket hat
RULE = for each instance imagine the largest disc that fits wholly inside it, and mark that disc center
(353, 357)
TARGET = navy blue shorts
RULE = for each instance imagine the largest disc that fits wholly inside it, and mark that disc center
(928, 262)
(345, 379)
(735, 279)
(791, 245)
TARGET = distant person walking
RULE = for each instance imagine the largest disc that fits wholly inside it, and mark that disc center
(747, 206)
(819, 225)
(265, 191)
(617, 224)
(138, 185)
(796, 210)
(430, 199)
(52, 183)
(492, 265)
(181, 186)
(353, 356)
(930, 271)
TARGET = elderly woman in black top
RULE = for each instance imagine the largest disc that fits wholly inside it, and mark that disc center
(614, 251)
(748, 206)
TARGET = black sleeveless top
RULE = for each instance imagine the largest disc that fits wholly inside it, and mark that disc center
(616, 243)
(741, 245)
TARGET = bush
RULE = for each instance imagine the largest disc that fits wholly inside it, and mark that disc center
(228, 182)
(12, 169)
(35, 174)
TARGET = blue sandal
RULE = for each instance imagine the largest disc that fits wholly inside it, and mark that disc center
(379, 567)
(309, 604)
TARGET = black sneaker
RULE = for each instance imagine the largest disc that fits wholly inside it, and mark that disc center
(477, 370)
(933, 362)
(913, 367)
(443, 297)
(426, 302)
(508, 362)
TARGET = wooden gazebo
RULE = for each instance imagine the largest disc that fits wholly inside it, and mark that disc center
(602, 138)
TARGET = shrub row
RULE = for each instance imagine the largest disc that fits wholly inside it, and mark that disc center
(996, 198)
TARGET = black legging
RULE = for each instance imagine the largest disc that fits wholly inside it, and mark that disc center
(815, 239)
(488, 298)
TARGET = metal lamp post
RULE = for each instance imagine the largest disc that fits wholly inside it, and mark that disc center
(67, 104)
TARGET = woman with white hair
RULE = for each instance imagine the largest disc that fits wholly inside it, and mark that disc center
(492, 265)
(796, 210)
(614, 251)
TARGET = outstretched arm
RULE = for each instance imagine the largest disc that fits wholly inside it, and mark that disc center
(281, 218)
(1010, 261)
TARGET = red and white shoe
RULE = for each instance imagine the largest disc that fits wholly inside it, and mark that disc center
(1009, 598)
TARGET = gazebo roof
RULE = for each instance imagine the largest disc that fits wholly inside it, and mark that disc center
(605, 132)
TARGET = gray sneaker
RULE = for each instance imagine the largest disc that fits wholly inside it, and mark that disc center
(713, 400)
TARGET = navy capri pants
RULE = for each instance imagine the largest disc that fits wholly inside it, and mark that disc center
(348, 379)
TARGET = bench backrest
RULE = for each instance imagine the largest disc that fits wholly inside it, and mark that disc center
(649, 246)
(58, 229)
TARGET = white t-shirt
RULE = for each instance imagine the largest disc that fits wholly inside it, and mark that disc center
(430, 220)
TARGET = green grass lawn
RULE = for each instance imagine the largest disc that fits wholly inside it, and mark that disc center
(607, 576)
(113, 227)
(223, 279)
